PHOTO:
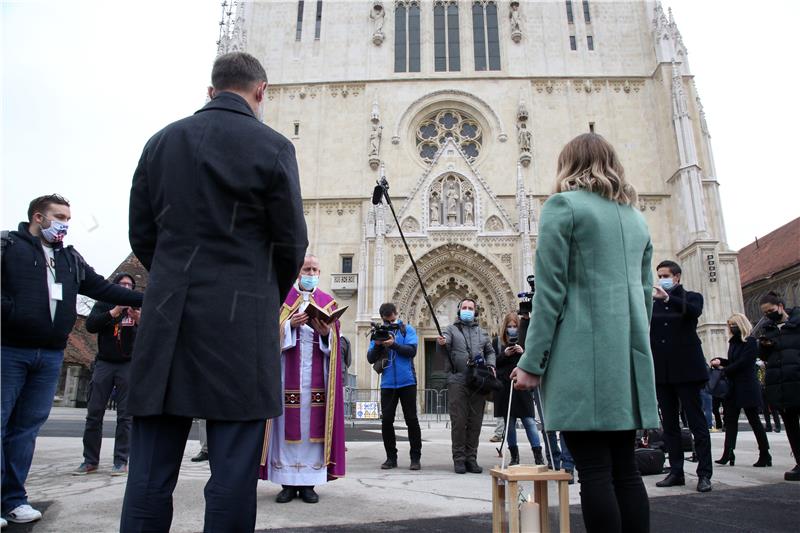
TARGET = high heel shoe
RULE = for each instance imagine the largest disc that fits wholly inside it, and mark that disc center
(727, 457)
(764, 459)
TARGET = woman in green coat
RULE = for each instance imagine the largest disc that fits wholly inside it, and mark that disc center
(588, 344)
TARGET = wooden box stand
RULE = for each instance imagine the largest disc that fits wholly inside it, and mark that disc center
(505, 490)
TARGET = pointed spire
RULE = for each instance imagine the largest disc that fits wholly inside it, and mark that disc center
(232, 34)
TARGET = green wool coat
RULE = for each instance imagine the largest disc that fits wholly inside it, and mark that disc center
(589, 333)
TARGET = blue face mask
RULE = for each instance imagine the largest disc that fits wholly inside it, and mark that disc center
(309, 283)
(666, 283)
(466, 315)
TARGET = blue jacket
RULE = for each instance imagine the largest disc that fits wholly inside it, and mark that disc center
(400, 369)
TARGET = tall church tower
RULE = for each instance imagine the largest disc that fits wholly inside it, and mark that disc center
(464, 105)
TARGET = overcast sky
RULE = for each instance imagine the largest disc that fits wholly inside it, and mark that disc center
(85, 84)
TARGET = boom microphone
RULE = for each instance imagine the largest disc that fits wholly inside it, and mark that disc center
(377, 194)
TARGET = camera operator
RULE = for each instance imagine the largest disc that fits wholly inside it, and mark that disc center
(461, 343)
(391, 351)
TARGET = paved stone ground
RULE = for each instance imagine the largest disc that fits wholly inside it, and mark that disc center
(370, 499)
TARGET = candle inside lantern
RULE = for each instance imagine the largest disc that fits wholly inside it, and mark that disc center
(529, 517)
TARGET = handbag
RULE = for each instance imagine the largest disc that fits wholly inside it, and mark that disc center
(718, 384)
(479, 378)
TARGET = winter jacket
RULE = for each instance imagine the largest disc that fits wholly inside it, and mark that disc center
(114, 335)
(464, 340)
(781, 351)
(27, 322)
(740, 369)
(399, 371)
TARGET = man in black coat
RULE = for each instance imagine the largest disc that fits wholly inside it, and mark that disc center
(681, 371)
(216, 217)
(41, 280)
(115, 326)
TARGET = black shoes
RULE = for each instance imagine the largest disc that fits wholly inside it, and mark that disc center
(727, 457)
(459, 467)
(389, 464)
(514, 450)
(793, 474)
(538, 458)
(286, 495)
(308, 495)
(472, 467)
(415, 465)
(200, 457)
(672, 480)
(703, 484)
(764, 459)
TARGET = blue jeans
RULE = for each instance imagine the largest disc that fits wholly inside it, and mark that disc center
(529, 423)
(29, 381)
(567, 462)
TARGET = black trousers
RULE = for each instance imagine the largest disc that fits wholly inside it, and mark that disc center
(671, 398)
(769, 411)
(407, 396)
(732, 427)
(791, 423)
(466, 417)
(613, 497)
(105, 377)
(716, 403)
(157, 445)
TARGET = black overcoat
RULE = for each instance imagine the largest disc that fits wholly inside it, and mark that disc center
(782, 376)
(744, 390)
(677, 350)
(521, 401)
(216, 217)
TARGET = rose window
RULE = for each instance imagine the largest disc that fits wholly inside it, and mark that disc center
(437, 128)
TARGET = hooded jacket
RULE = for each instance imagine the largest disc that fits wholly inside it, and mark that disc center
(115, 336)
(26, 298)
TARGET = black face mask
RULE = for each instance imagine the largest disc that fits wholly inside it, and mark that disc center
(775, 316)
(735, 331)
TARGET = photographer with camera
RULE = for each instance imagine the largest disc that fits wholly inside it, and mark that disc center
(115, 326)
(392, 349)
(465, 345)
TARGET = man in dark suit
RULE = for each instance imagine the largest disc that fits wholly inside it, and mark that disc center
(216, 217)
(681, 372)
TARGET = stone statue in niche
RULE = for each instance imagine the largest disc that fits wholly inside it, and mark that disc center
(377, 14)
(452, 201)
(524, 139)
(469, 215)
(375, 145)
(516, 23)
(436, 208)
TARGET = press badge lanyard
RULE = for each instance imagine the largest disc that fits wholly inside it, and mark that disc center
(56, 289)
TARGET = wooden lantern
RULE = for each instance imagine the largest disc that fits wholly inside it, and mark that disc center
(505, 490)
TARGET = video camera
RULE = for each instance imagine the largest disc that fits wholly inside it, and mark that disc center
(382, 332)
(526, 298)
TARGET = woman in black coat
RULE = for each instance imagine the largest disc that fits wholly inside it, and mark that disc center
(508, 354)
(780, 348)
(744, 390)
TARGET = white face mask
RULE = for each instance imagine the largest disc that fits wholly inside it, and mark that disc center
(55, 232)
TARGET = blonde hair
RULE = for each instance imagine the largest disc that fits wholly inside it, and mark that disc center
(589, 162)
(745, 327)
(509, 318)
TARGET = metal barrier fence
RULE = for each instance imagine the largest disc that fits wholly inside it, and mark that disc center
(365, 405)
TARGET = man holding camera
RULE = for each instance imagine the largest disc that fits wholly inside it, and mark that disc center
(391, 352)
(116, 327)
(680, 371)
(462, 344)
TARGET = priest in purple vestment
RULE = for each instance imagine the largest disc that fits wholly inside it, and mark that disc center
(304, 447)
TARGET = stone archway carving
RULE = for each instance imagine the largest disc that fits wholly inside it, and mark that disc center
(450, 273)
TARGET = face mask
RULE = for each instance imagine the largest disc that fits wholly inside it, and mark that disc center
(55, 232)
(666, 283)
(511, 332)
(735, 331)
(775, 316)
(309, 283)
(466, 315)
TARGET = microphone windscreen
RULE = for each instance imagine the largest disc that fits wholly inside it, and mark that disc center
(377, 195)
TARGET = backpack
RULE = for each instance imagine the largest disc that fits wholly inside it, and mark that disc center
(649, 461)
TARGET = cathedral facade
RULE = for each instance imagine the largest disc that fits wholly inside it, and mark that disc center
(464, 106)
